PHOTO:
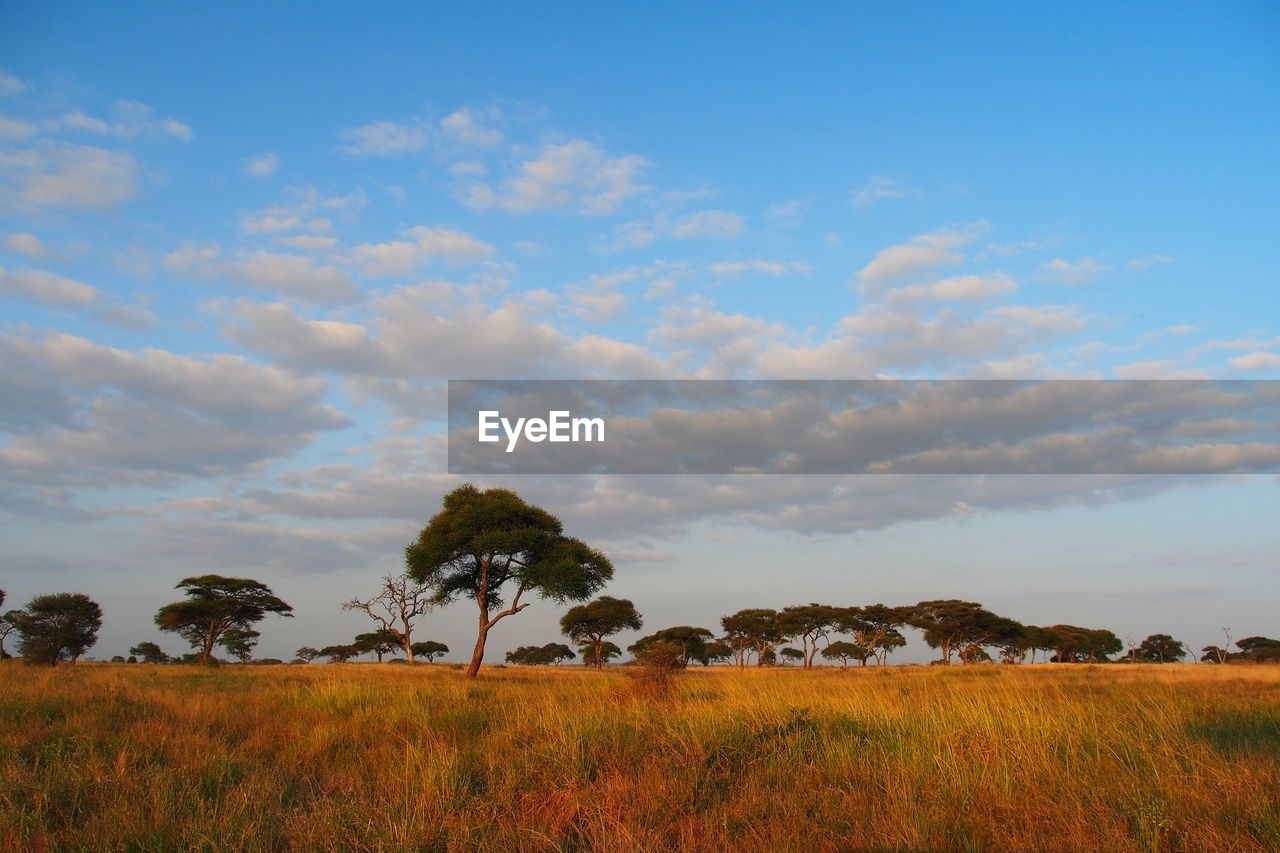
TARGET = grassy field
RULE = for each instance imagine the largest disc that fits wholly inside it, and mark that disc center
(373, 757)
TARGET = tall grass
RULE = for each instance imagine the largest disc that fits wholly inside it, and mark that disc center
(370, 757)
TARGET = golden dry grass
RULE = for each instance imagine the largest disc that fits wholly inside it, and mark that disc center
(370, 757)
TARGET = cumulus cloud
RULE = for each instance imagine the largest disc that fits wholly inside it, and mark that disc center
(427, 244)
(63, 174)
(576, 174)
(1062, 271)
(131, 119)
(282, 272)
(385, 138)
(1256, 361)
(261, 166)
(46, 288)
(732, 269)
(470, 126)
(922, 252)
(708, 223)
(16, 130)
(10, 85)
(25, 243)
(963, 288)
(114, 416)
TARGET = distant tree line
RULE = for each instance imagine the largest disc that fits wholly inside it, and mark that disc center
(495, 550)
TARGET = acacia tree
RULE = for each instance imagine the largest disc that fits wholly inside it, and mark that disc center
(398, 603)
(692, 642)
(608, 651)
(844, 651)
(239, 643)
(61, 626)
(588, 624)
(551, 653)
(149, 653)
(874, 629)
(377, 643)
(757, 629)
(960, 626)
(430, 650)
(811, 623)
(1073, 643)
(481, 541)
(215, 605)
(7, 627)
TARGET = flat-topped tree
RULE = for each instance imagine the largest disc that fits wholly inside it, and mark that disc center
(589, 624)
(215, 605)
(483, 542)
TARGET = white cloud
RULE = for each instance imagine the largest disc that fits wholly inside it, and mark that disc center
(132, 119)
(134, 318)
(62, 174)
(469, 126)
(10, 85)
(151, 415)
(958, 289)
(285, 273)
(923, 252)
(277, 220)
(46, 288)
(1255, 361)
(398, 257)
(1148, 261)
(292, 274)
(879, 187)
(731, 269)
(386, 138)
(577, 174)
(708, 223)
(25, 244)
(262, 166)
(308, 242)
(13, 129)
(1062, 271)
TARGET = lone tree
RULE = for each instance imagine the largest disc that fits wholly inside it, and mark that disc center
(61, 626)
(216, 605)
(398, 603)
(589, 624)
(430, 650)
(149, 652)
(481, 541)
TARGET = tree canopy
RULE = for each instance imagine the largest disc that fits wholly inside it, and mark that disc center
(59, 626)
(215, 605)
(481, 542)
(590, 623)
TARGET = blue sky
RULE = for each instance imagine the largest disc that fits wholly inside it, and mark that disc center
(243, 247)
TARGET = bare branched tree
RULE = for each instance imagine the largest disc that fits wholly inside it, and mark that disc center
(399, 602)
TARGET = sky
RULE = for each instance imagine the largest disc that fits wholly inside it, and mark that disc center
(242, 249)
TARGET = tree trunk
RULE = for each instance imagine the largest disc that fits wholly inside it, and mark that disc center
(477, 655)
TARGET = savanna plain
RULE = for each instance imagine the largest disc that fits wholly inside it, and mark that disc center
(384, 757)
